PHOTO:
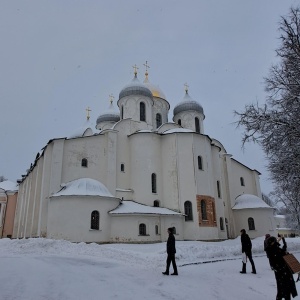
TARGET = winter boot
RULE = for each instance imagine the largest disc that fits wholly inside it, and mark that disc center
(243, 269)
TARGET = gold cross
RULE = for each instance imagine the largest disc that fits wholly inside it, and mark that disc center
(88, 113)
(111, 98)
(135, 69)
(147, 66)
(186, 87)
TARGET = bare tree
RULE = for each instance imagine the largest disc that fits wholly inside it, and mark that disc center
(275, 125)
(2, 178)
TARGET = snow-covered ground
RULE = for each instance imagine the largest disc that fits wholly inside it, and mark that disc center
(43, 269)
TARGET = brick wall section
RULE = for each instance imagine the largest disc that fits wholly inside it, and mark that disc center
(210, 211)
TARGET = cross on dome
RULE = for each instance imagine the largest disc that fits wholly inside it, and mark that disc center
(186, 88)
(88, 113)
(111, 98)
(135, 67)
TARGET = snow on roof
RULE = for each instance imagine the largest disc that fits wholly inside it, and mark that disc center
(279, 216)
(131, 207)
(245, 201)
(176, 130)
(83, 187)
(9, 186)
(86, 129)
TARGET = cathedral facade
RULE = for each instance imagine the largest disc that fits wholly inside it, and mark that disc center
(137, 174)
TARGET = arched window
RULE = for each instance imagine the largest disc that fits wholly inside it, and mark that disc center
(251, 224)
(188, 211)
(242, 181)
(95, 220)
(158, 120)
(197, 125)
(156, 203)
(179, 122)
(153, 183)
(200, 166)
(142, 111)
(84, 162)
(142, 229)
(122, 168)
(221, 224)
(203, 210)
(156, 229)
(174, 230)
(122, 112)
(219, 189)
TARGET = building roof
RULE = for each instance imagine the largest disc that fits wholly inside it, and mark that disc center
(246, 201)
(188, 104)
(135, 88)
(110, 115)
(84, 130)
(83, 187)
(128, 207)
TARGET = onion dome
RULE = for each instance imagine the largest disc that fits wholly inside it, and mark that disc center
(110, 115)
(186, 104)
(135, 88)
(85, 130)
(155, 90)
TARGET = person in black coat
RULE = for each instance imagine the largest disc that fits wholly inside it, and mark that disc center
(171, 250)
(247, 249)
(284, 278)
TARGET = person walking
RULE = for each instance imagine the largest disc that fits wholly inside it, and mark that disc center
(286, 286)
(171, 250)
(247, 249)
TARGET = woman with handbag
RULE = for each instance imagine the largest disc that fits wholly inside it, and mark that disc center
(284, 278)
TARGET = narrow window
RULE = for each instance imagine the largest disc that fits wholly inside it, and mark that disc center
(158, 120)
(156, 229)
(95, 218)
(242, 181)
(251, 224)
(142, 111)
(142, 229)
(174, 230)
(214, 211)
(221, 224)
(122, 112)
(197, 125)
(122, 168)
(203, 210)
(219, 189)
(179, 122)
(156, 203)
(188, 211)
(84, 162)
(200, 166)
(153, 182)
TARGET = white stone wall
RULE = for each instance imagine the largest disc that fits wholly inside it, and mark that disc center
(70, 218)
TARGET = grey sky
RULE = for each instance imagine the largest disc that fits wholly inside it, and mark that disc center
(59, 57)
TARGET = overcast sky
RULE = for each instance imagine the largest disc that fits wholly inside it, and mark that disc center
(59, 57)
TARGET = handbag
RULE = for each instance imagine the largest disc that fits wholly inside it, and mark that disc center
(292, 263)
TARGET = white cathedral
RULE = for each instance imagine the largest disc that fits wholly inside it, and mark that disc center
(136, 174)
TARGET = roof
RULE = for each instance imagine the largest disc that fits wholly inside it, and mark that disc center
(246, 201)
(83, 187)
(135, 88)
(86, 129)
(188, 104)
(9, 186)
(128, 207)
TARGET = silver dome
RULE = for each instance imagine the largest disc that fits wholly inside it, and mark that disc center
(187, 104)
(135, 88)
(111, 115)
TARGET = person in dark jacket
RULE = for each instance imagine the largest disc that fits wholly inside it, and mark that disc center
(284, 278)
(247, 249)
(171, 250)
